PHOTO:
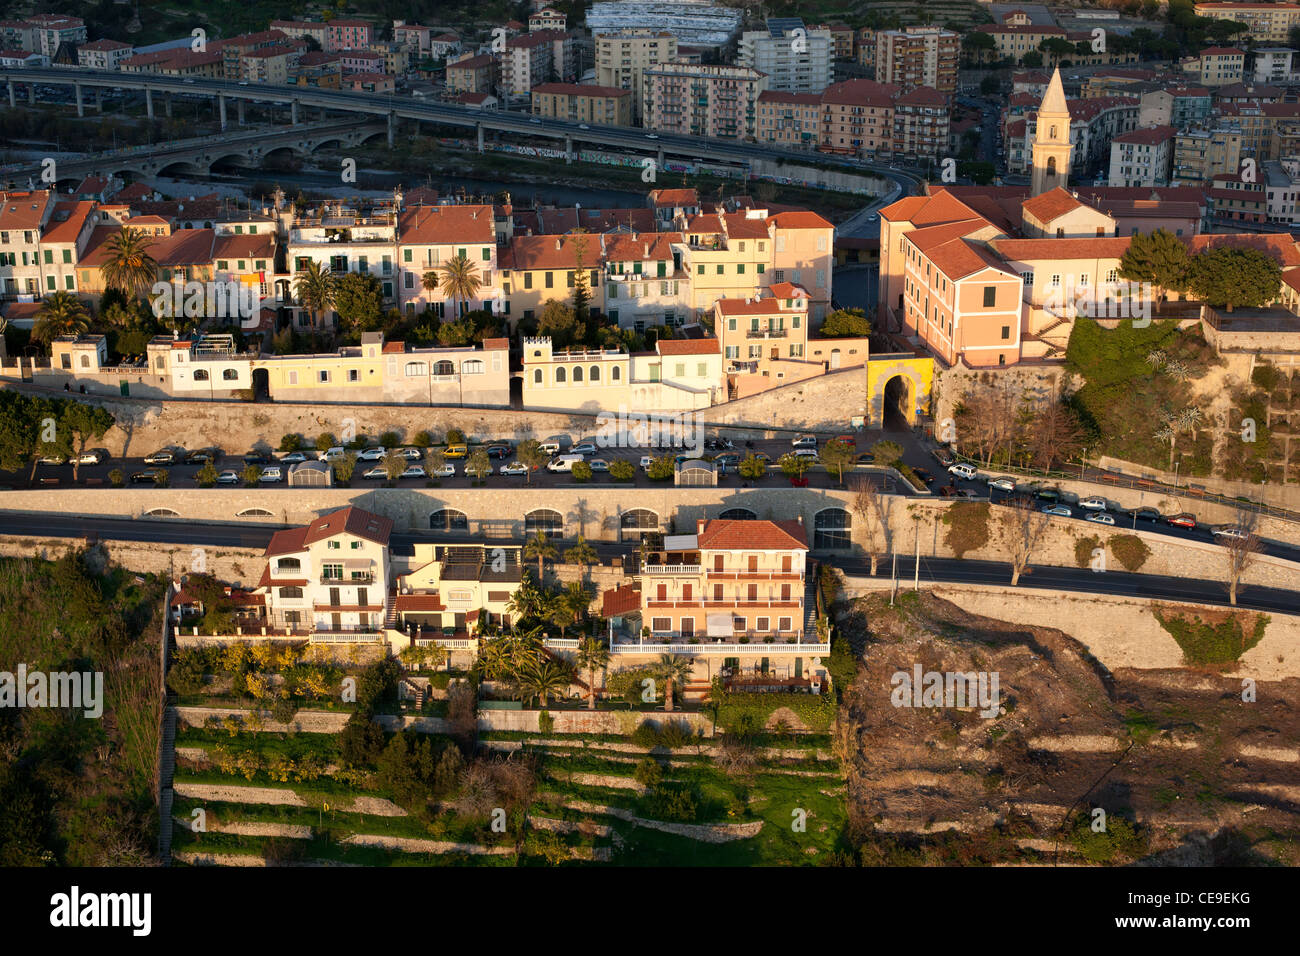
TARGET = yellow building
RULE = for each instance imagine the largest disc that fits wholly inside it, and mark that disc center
(1268, 22)
(578, 103)
(535, 269)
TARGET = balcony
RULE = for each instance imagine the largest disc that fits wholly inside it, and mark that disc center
(766, 333)
(718, 647)
(670, 569)
(357, 577)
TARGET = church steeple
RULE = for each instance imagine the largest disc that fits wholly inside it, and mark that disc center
(1051, 153)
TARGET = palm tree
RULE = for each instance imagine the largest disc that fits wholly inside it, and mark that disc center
(314, 287)
(429, 282)
(539, 547)
(577, 599)
(593, 656)
(61, 313)
(129, 267)
(674, 670)
(544, 678)
(460, 280)
(529, 602)
(581, 553)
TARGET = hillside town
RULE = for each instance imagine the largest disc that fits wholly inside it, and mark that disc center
(584, 434)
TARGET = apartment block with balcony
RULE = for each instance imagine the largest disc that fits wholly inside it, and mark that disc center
(103, 54)
(793, 57)
(623, 56)
(431, 236)
(23, 216)
(472, 74)
(1143, 157)
(918, 56)
(645, 282)
(763, 338)
(1203, 152)
(330, 577)
(1216, 66)
(1266, 22)
(720, 102)
(345, 239)
(579, 103)
(790, 120)
(450, 590)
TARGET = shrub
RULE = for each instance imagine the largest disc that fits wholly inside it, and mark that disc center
(1131, 551)
(361, 741)
(661, 469)
(545, 722)
(648, 773)
(455, 436)
(117, 478)
(646, 736)
(622, 470)
(251, 474)
(326, 440)
(207, 475)
(1083, 549)
(283, 710)
(390, 439)
(162, 478)
(291, 442)
(186, 674)
(581, 471)
(674, 802)
(1213, 646)
(424, 439)
(676, 734)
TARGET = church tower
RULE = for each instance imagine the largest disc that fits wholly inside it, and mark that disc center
(1051, 154)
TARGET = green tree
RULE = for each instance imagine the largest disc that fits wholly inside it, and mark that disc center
(162, 478)
(291, 442)
(346, 467)
(434, 459)
(674, 671)
(581, 287)
(207, 475)
(359, 301)
(1159, 258)
(325, 441)
(846, 323)
(478, 464)
(887, 453)
(593, 656)
(836, 456)
(460, 280)
(559, 321)
(539, 547)
(129, 267)
(61, 313)
(581, 471)
(1226, 277)
(80, 423)
(661, 469)
(393, 463)
(753, 468)
(251, 475)
(530, 453)
(620, 469)
(315, 287)
(540, 679)
(423, 439)
(794, 466)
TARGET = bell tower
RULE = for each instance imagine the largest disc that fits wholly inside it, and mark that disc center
(1051, 153)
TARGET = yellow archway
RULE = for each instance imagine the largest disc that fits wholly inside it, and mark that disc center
(917, 373)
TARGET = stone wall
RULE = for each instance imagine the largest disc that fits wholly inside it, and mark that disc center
(238, 566)
(952, 383)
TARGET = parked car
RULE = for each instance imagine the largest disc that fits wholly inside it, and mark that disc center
(201, 456)
(718, 444)
(456, 450)
(944, 457)
(96, 456)
(1099, 517)
(411, 454)
(924, 475)
(563, 463)
(337, 453)
(499, 450)
(514, 468)
(148, 475)
(166, 456)
(847, 439)
(805, 441)
(372, 454)
(866, 458)
(764, 457)
(728, 460)
(1093, 503)
(1060, 511)
(645, 462)
(1002, 484)
(809, 453)
(271, 476)
(376, 473)
(252, 458)
(293, 458)
(1145, 514)
(965, 494)
(1048, 494)
(1228, 531)
(415, 471)
(228, 478)
(963, 470)
(598, 464)
(1181, 521)
(550, 446)
(443, 471)
(52, 460)
(583, 448)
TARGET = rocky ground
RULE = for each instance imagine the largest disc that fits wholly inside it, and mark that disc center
(1184, 769)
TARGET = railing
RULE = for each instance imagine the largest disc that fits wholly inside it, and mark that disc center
(451, 643)
(670, 569)
(730, 648)
(346, 637)
(766, 333)
(367, 578)
(561, 643)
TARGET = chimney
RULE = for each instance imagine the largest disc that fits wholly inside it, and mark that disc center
(557, 245)
(699, 526)
(799, 518)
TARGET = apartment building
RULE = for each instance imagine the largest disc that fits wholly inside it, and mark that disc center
(1238, 201)
(431, 236)
(623, 56)
(50, 31)
(317, 68)
(1276, 64)
(921, 124)
(729, 580)
(679, 375)
(703, 100)
(527, 61)
(791, 120)
(918, 56)
(1014, 40)
(450, 590)
(1262, 125)
(547, 19)
(794, 58)
(341, 34)
(343, 238)
(306, 29)
(760, 332)
(858, 118)
(210, 65)
(234, 49)
(362, 61)
(645, 282)
(22, 60)
(1216, 66)
(64, 239)
(1267, 22)
(1143, 157)
(330, 576)
(865, 45)
(1203, 152)
(103, 54)
(472, 74)
(536, 269)
(580, 103)
(1176, 106)
(23, 216)
(843, 39)
(270, 65)
(1282, 187)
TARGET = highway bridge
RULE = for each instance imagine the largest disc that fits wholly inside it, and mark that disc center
(394, 107)
(248, 148)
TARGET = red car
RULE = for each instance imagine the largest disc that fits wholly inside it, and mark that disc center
(848, 440)
(1182, 521)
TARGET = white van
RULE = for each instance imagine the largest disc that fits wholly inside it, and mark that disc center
(551, 447)
(963, 470)
(563, 462)
(333, 454)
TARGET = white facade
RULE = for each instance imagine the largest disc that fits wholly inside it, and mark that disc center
(795, 58)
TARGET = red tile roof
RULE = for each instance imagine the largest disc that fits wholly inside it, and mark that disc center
(1149, 136)
(674, 197)
(1051, 205)
(354, 521)
(1103, 247)
(418, 602)
(447, 225)
(620, 601)
(740, 534)
(687, 346)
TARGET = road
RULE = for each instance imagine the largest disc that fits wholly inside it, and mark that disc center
(404, 107)
(932, 570)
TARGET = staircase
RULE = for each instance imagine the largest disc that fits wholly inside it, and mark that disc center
(166, 769)
(810, 602)
(390, 610)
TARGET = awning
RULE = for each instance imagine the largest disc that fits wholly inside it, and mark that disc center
(680, 542)
(720, 625)
(358, 564)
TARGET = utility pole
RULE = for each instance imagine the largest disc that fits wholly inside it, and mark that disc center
(893, 592)
(916, 574)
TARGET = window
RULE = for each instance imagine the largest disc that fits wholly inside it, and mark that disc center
(416, 368)
(291, 592)
(472, 367)
(545, 520)
(577, 374)
(762, 624)
(537, 376)
(560, 375)
(832, 529)
(323, 376)
(990, 296)
(661, 624)
(229, 375)
(448, 519)
(444, 367)
(783, 624)
(289, 564)
(200, 375)
(1006, 331)
(615, 374)
(593, 374)
(354, 375)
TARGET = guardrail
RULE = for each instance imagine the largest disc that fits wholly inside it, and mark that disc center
(730, 648)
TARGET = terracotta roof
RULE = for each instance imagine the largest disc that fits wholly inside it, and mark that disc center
(784, 96)
(1282, 246)
(652, 246)
(71, 219)
(23, 210)
(802, 219)
(354, 521)
(1051, 205)
(739, 535)
(288, 541)
(687, 346)
(860, 93)
(620, 601)
(418, 602)
(1149, 136)
(903, 209)
(674, 197)
(1103, 247)
(244, 247)
(472, 63)
(788, 290)
(931, 237)
(96, 253)
(493, 344)
(740, 226)
(447, 225)
(763, 306)
(104, 45)
(184, 247)
(922, 96)
(1222, 51)
(548, 252)
(391, 348)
